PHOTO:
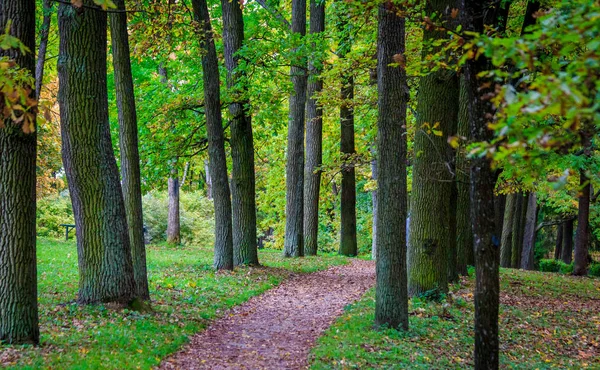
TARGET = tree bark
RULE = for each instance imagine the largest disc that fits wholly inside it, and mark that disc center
(173, 221)
(437, 114)
(464, 230)
(374, 201)
(517, 237)
(527, 262)
(128, 143)
(43, 48)
(208, 180)
(391, 307)
(559, 241)
(486, 244)
(314, 138)
(507, 230)
(216, 142)
(105, 263)
(294, 195)
(499, 206)
(243, 184)
(18, 274)
(567, 248)
(582, 237)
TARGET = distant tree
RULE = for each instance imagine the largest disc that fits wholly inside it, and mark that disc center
(18, 276)
(518, 227)
(243, 192)
(294, 195)
(216, 141)
(507, 230)
(567, 245)
(582, 236)
(174, 218)
(559, 240)
(314, 137)
(105, 264)
(128, 143)
(391, 306)
(527, 261)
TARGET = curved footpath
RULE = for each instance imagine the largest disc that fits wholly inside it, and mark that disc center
(277, 329)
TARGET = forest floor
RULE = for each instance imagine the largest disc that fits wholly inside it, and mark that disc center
(547, 321)
(277, 329)
(186, 296)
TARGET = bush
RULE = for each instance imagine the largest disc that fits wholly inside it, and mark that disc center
(550, 265)
(594, 270)
(52, 211)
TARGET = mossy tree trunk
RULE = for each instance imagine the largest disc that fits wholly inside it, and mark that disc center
(18, 275)
(391, 306)
(128, 143)
(243, 183)
(294, 194)
(507, 230)
(216, 141)
(437, 114)
(314, 138)
(105, 263)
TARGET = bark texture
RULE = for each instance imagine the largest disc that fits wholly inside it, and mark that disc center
(391, 307)
(437, 114)
(559, 241)
(507, 230)
(374, 201)
(464, 231)
(294, 170)
(43, 48)
(582, 237)
(567, 247)
(128, 143)
(527, 262)
(314, 138)
(18, 274)
(486, 243)
(216, 142)
(173, 220)
(517, 236)
(243, 184)
(105, 264)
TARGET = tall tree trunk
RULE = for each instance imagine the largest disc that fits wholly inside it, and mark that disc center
(43, 48)
(243, 191)
(559, 240)
(128, 143)
(216, 142)
(375, 209)
(452, 257)
(464, 230)
(18, 275)
(105, 263)
(507, 229)
(486, 244)
(208, 180)
(294, 194)
(567, 247)
(437, 114)
(499, 206)
(582, 236)
(173, 221)
(348, 243)
(517, 237)
(314, 138)
(391, 306)
(527, 262)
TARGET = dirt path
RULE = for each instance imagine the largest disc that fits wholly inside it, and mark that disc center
(277, 329)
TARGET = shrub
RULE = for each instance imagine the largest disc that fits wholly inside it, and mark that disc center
(566, 269)
(52, 211)
(551, 265)
(594, 269)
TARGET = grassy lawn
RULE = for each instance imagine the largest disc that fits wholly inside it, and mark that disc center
(186, 294)
(547, 321)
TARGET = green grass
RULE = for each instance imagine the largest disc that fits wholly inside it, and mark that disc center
(546, 321)
(186, 294)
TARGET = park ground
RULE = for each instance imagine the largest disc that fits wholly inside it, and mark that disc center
(547, 320)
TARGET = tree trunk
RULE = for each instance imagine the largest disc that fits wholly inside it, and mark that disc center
(43, 48)
(18, 275)
(105, 263)
(452, 257)
(173, 222)
(314, 138)
(559, 241)
(499, 206)
(437, 114)
(243, 191)
(464, 230)
(294, 195)
(216, 142)
(582, 236)
(567, 247)
(486, 246)
(527, 262)
(507, 230)
(128, 143)
(391, 307)
(517, 236)
(208, 180)
(375, 210)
